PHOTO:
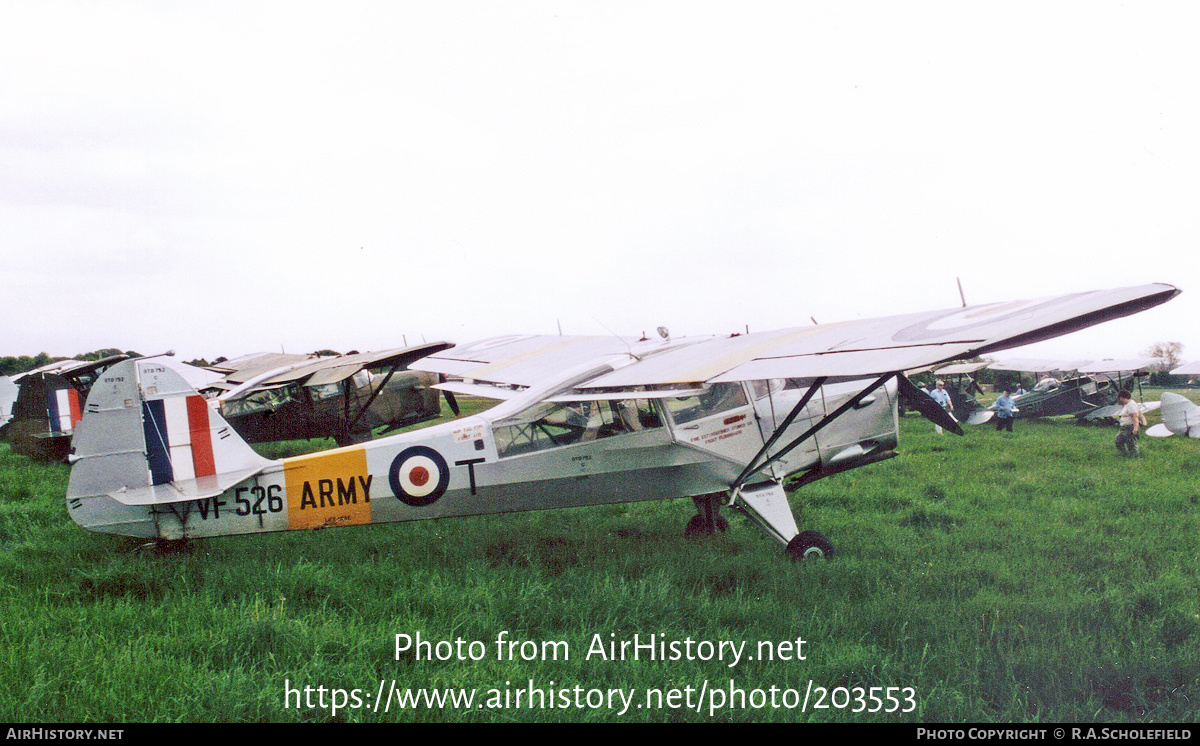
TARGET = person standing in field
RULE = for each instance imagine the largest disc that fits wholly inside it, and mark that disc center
(942, 397)
(1131, 420)
(1006, 408)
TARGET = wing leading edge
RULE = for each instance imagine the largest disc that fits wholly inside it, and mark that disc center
(849, 350)
(861, 349)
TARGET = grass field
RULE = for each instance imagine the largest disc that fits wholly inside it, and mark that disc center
(1033, 576)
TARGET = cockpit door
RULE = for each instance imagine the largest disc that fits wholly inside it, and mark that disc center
(720, 421)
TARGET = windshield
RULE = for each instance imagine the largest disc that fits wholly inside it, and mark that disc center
(260, 401)
(720, 398)
(555, 424)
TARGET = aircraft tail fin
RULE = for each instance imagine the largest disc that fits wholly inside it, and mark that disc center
(1179, 415)
(147, 437)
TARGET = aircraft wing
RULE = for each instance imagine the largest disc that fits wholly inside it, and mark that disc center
(72, 368)
(1034, 365)
(1187, 369)
(1109, 365)
(870, 347)
(332, 370)
(253, 372)
(529, 360)
(838, 351)
(957, 368)
(248, 367)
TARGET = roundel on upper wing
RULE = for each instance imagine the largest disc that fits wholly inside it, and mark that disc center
(978, 319)
(418, 476)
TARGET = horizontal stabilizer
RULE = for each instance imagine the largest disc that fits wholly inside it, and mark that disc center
(980, 416)
(182, 489)
(1112, 410)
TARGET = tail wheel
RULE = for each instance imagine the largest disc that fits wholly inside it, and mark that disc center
(809, 545)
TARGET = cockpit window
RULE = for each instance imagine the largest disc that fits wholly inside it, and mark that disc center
(325, 391)
(261, 401)
(555, 424)
(720, 398)
(763, 389)
(1046, 384)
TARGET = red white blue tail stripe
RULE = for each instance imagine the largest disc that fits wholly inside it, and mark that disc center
(63, 411)
(179, 443)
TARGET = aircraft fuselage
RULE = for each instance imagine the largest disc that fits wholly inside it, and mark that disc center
(523, 454)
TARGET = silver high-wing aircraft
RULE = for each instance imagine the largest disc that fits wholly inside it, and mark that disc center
(581, 421)
(1179, 415)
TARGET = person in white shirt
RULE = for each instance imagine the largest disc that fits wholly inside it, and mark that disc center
(1131, 421)
(942, 397)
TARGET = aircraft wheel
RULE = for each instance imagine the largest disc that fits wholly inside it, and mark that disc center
(809, 545)
(697, 526)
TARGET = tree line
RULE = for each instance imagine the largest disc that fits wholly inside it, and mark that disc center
(11, 365)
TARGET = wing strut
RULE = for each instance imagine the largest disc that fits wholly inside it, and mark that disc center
(775, 436)
(854, 400)
(370, 400)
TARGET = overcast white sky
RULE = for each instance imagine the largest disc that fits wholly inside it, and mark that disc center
(229, 177)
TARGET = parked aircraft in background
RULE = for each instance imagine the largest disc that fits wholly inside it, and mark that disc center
(1187, 369)
(48, 405)
(1180, 416)
(580, 421)
(1118, 374)
(1082, 388)
(961, 386)
(270, 396)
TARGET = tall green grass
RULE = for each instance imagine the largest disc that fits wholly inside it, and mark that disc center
(1005, 577)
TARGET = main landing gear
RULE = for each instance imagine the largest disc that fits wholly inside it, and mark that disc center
(809, 545)
(767, 506)
(708, 519)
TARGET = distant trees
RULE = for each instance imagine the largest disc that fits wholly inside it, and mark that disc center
(13, 364)
(1168, 356)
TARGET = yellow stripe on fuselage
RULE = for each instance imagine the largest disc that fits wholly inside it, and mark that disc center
(328, 489)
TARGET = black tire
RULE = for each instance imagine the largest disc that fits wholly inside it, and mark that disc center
(697, 527)
(809, 545)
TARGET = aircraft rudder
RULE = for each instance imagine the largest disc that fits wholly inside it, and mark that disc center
(148, 437)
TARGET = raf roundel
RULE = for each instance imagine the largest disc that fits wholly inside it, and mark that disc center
(418, 476)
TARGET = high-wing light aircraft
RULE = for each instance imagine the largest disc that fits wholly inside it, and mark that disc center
(272, 396)
(48, 405)
(1083, 388)
(1179, 415)
(581, 421)
(1112, 376)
